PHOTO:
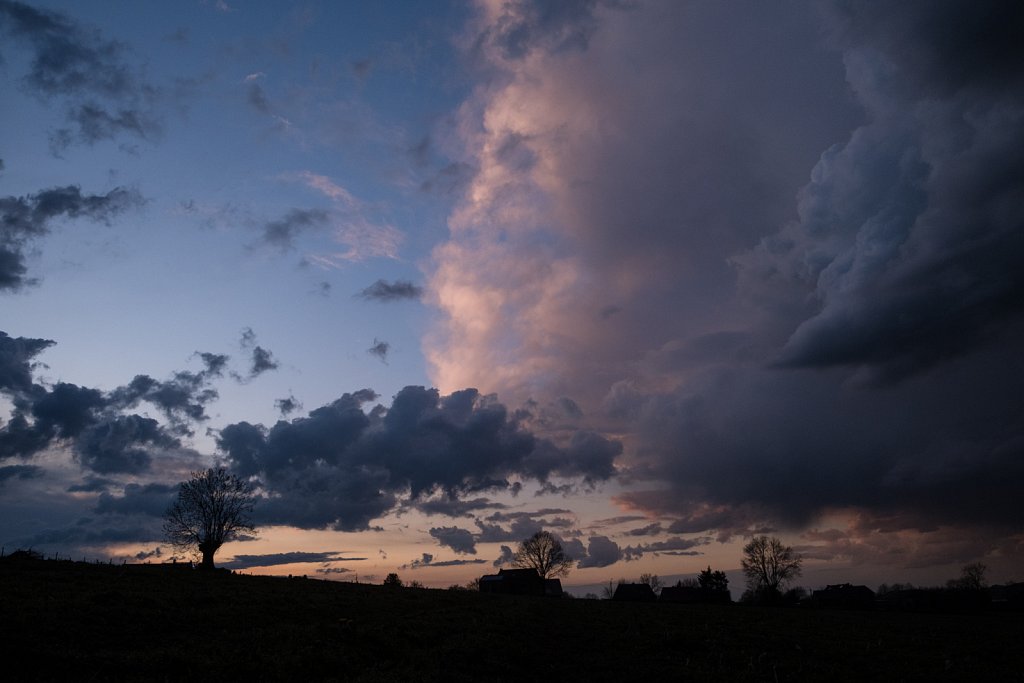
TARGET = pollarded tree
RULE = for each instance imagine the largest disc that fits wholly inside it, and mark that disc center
(543, 552)
(212, 507)
(769, 565)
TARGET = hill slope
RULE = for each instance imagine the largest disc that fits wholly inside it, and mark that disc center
(69, 620)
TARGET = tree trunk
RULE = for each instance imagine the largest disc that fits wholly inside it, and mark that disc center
(207, 559)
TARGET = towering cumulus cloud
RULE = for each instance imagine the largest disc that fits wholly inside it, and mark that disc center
(787, 269)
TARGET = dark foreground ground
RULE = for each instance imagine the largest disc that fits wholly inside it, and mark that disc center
(74, 621)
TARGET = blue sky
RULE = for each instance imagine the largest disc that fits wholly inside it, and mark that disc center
(680, 273)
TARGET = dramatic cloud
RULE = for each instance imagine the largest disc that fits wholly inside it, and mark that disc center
(23, 219)
(775, 284)
(343, 466)
(103, 94)
(382, 290)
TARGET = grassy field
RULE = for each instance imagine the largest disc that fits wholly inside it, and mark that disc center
(74, 621)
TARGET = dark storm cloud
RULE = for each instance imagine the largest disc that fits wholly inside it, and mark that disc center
(911, 235)
(521, 525)
(456, 507)
(601, 552)
(122, 444)
(104, 96)
(283, 232)
(23, 219)
(182, 399)
(385, 291)
(459, 540)
(20, 472)
(380, 349)
(138, 499)
(88, 533)
(342, 466)
(897, 293)
(17, 362)
(92, 424)
(295, 557)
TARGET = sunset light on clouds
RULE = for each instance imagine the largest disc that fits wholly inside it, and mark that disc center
(653, 276)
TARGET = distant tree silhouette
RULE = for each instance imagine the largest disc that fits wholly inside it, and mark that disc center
(393, 580)
(543, 552)
(212, 507)
(972, 577)
(769, 566)
(609, 590)
(713, 581)
(651, 580)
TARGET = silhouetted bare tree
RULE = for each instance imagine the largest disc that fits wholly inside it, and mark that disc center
(543, 552)
(213, 507)
(972, 577)
(651, 580)
(769, 565)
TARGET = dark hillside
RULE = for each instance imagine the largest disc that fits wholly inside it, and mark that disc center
(74, 621)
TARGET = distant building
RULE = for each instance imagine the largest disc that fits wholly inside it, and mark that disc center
(520, 582)
(844, 596)
(1008, 597)
(634, 592)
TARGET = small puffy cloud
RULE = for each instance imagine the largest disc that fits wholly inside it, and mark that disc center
(282, 232)
(601, 552)
(505, 557)
(380, 349)
(287, 406)
(459, 540)
(385, 291)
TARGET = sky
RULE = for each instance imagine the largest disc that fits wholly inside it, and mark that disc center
(654, 276)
